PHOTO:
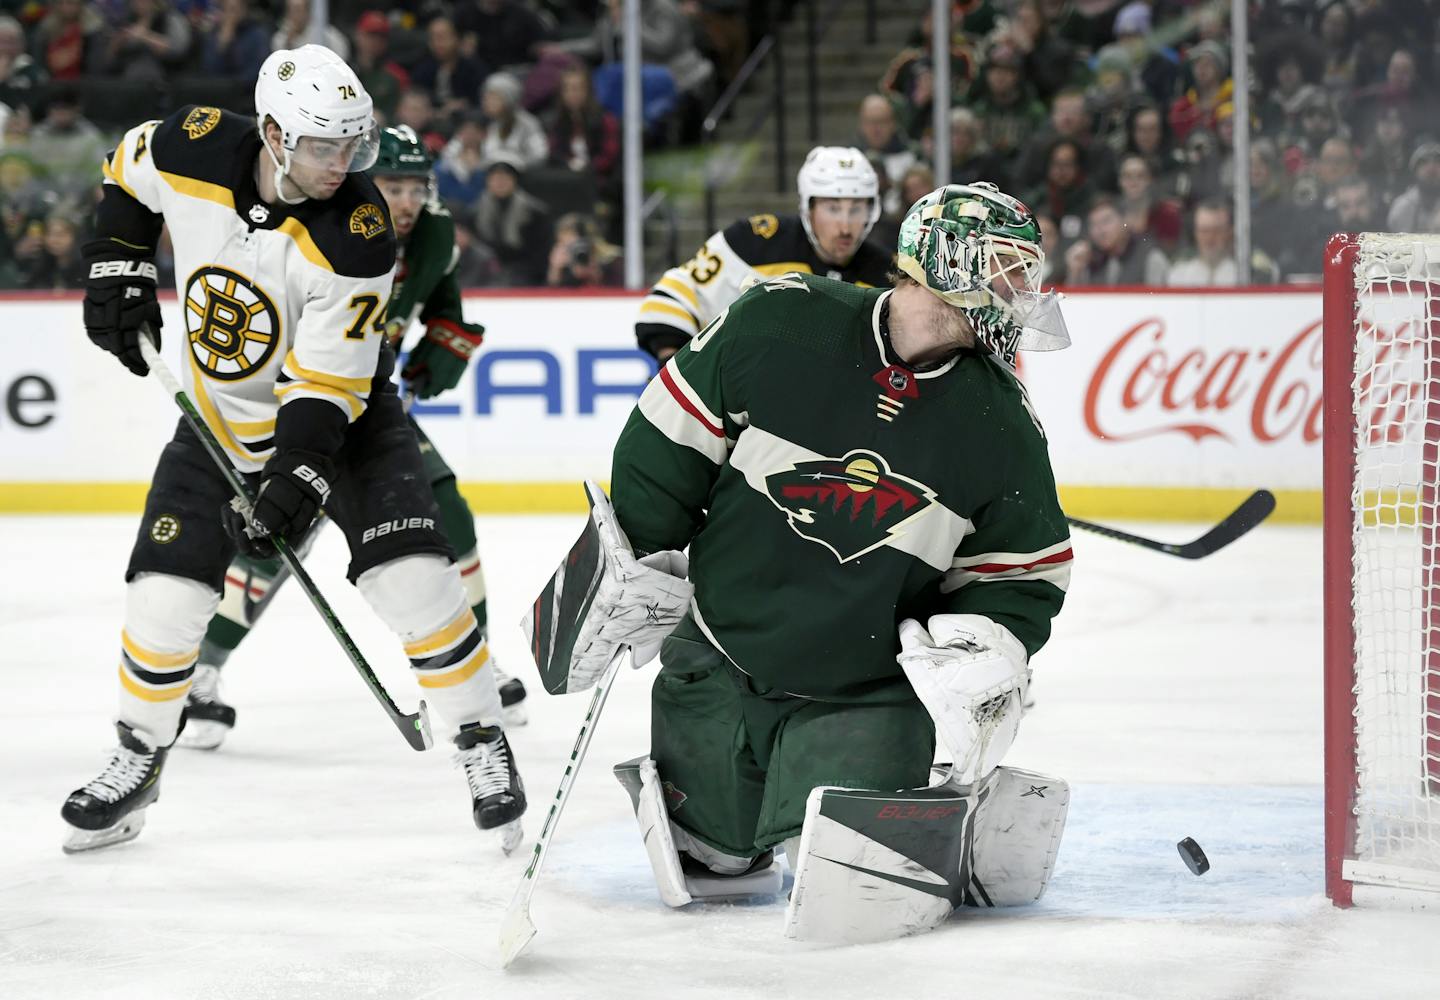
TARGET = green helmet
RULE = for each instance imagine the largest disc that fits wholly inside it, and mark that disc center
(979, 249)
(402, 154)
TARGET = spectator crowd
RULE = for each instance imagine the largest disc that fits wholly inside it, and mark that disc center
(1114, 120)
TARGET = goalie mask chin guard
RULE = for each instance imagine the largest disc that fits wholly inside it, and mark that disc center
(978, 249)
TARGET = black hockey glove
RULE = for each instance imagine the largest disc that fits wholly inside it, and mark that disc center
(293, 487)
(119, 297)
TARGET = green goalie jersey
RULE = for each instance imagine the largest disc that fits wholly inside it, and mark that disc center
(827, 491)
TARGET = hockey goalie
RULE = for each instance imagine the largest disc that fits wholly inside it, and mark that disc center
(875, 549)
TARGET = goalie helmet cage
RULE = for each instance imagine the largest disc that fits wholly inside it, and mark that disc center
(1382, 562)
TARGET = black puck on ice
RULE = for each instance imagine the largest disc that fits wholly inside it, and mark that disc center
(1193, 856)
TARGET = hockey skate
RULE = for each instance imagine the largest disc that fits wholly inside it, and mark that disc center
(497, 793)
(111, 809)
(512, 696)
(208, 719)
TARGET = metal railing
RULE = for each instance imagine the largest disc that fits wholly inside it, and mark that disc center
(720, 169)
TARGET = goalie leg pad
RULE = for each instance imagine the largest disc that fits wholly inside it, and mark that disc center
(873, 866)
(702, 872)
(1020, 821)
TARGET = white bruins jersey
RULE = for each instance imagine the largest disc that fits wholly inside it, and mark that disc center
(281, 303)
(688, 297)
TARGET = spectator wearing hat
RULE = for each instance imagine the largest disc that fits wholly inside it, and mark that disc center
(451, 78)
(383, 77)
(294, 31)
(1415, 210)
(1209, 66)
(1110, 98)
(1007, 110)
(514, 224)
(499, 33)
(583, 136)
(236, 44)
(880, 139)
(513, 132)
(20, 76)
(1157, 67)
(1049, 61)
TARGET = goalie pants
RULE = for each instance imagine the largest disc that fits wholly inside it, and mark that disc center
(738, 760)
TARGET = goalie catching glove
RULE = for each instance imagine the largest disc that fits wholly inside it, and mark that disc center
(602, 598)
(970, 673)
(438, 361)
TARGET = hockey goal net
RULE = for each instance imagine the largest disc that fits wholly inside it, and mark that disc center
(1382, 562)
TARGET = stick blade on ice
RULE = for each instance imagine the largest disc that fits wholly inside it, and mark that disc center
(516, 932)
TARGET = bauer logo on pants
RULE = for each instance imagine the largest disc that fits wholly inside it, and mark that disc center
(399, 524)
(232, 323)
(165, 529)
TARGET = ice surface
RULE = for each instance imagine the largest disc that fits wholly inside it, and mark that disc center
(316, 856)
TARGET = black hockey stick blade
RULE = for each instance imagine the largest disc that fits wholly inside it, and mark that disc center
(1256, 508)
(415, 727)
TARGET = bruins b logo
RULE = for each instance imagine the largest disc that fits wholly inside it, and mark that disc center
(367, 221)
(232, 324)
(201, 121)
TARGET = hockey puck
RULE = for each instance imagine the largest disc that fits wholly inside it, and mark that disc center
(1193, 856)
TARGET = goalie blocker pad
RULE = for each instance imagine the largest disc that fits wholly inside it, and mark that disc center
(874, 866)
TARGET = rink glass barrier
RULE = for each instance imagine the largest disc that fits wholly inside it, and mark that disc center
(1169, 405)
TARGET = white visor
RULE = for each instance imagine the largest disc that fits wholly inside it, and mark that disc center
(349, 153)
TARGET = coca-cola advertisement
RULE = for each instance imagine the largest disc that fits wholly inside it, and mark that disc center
(1185, 390)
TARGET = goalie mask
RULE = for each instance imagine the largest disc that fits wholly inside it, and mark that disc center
(979, 249)
(326, 118)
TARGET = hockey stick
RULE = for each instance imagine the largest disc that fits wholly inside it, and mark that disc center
(516, 929)
(253, 609)
(1256, 508)
(415, 728)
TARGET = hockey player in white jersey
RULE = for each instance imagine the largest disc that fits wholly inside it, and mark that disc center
(839, 205)
(284, 254)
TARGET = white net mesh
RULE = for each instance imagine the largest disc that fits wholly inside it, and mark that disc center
(1396, 568)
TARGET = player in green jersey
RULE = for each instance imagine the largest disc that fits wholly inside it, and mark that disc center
(876, 550)
(425, 289)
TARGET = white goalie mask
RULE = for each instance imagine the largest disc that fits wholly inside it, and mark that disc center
(837, 172)
(325, 116)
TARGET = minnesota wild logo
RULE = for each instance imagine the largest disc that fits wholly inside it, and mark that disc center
(850, 505)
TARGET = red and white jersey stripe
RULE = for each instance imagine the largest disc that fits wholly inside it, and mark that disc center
(1051, 564)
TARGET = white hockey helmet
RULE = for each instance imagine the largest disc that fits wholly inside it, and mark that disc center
(837, 172)
(322, 109)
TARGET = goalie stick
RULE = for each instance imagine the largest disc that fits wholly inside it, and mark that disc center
(416, 727)
(517, 929)
(1256, 508)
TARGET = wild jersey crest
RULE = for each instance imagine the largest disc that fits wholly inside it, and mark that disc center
(850, 505)
(367, 221)
(201, 122)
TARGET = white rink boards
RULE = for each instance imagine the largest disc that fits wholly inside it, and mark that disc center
(316, 856)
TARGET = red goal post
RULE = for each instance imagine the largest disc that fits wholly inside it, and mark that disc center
(1382, 562)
